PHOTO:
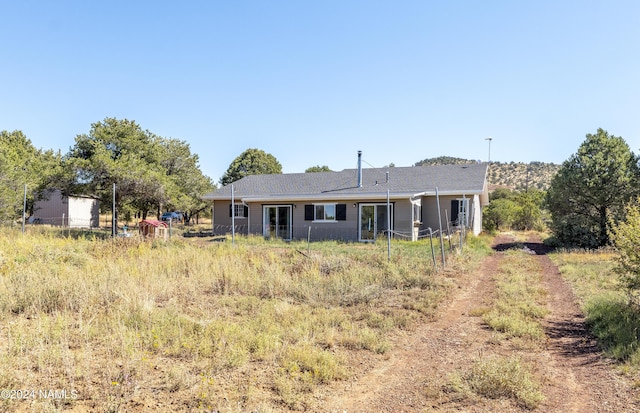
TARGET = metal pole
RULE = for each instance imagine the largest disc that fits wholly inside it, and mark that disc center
(24, 207)
(309, 241)
(444, 264)
(433, 253)
(489, 139)
(114, 231)
(388, 228)
(446, 215)
(464, 221)
(233, 217)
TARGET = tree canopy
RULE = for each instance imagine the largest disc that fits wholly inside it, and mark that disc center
(150, 172)
(591, 189)
(318, 168)
(251, 162)
(519, 210)
(21, 163)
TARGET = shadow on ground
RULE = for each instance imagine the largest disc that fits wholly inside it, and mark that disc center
(573, 340)
(536, 248)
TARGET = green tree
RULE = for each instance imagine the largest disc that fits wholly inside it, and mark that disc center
(529, 211)
(187, 183)
(21, 163)
(625, 236)
(590, 190)
(118, 152)
(251, 162)
(318, 168)
(150, 172)
(499, 215)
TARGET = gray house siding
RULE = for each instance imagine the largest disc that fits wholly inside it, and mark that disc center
(287, 200)
(345, 230)
(430, 212)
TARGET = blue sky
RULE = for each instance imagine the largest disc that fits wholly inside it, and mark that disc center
(314, 82)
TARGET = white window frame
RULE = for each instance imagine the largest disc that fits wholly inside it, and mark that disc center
(416, 212)
(238, 210)
(463, 211)
(324, 213)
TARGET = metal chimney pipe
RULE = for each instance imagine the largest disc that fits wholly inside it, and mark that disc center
(359, 169)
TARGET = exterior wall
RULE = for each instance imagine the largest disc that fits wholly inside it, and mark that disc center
(403, 220)
(83, 212)
(78, 212)
(476, 215)
(430, 212)
(50, 210)
(346, 230)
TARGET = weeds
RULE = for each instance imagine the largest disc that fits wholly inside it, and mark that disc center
(520, 303)
(609, 315)
(107, 316)
(500, 377)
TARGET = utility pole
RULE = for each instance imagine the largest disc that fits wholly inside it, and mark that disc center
(489, 139)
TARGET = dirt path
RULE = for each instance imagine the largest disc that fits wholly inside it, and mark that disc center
(575, 376)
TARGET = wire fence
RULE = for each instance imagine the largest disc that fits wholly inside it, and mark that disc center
(451, 239)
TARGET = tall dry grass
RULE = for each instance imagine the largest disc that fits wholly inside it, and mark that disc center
(202, 325)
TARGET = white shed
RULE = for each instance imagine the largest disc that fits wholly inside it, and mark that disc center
(72, 211)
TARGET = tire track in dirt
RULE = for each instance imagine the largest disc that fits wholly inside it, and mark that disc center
(579, 374)
(575, 375)
(423, 360)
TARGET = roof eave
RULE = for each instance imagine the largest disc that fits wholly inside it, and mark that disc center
(334, 196)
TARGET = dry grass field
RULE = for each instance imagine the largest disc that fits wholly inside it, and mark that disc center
(195, 325)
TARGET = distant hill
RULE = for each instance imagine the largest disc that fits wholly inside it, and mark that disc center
(513, 175)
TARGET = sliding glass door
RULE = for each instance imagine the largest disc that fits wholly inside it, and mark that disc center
(277, 221)
(374, 220)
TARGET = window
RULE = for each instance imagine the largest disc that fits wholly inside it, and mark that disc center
(239, 210)
(325, 212)
(417, 212)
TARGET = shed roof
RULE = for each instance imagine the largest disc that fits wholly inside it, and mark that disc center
(403, 181)
(153, 222)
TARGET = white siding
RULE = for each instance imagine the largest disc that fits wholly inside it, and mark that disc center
(78, 212)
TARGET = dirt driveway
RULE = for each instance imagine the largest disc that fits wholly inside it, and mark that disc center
(574, 374)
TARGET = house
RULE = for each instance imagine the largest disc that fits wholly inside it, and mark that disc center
(69, 211)
(351, 205)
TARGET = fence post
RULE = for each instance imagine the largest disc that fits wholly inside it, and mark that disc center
(444, 264)
(446, 214)
(24, 207)
(388, 229)
(233, 217)
(433, 253)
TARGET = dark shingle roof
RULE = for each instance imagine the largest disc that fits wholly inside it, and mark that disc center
(459, 179)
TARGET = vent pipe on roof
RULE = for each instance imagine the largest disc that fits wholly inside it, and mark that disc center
(359, 169)
(387, 176)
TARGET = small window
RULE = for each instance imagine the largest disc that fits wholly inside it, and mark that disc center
(239, 210)
(325, 212)
(417, 212)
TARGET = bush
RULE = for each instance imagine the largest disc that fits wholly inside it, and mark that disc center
(625, 236)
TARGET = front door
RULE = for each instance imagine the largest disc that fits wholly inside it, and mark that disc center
(373, 220)
(277, 221)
